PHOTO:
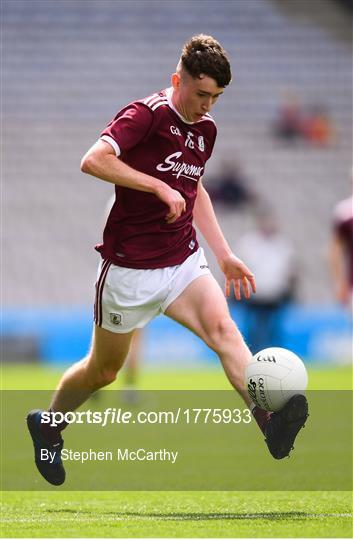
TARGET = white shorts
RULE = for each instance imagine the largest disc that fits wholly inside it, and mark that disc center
(127, 298)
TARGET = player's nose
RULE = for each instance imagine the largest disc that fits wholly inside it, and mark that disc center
(207, 105)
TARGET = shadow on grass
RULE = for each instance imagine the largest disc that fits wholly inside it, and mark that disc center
(194, 516)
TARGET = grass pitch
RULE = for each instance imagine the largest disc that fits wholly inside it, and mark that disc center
(175, 514)
(39, 377)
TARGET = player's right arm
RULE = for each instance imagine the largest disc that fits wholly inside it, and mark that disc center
(338, 269)
(101, 161)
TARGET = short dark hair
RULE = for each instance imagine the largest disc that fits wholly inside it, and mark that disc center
(204, 55)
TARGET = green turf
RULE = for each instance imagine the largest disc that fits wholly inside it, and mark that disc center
(39, 377)
(177, 514)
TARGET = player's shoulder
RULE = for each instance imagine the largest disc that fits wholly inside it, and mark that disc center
(150, 103)
(208, 118)
(208, 125)
(154, 101)
(134, 109)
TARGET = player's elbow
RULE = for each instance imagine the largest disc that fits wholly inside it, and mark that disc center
(88, 164)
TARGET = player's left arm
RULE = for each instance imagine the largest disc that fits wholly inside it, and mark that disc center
(235, 271)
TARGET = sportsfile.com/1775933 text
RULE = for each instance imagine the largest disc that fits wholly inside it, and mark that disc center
(180, 415)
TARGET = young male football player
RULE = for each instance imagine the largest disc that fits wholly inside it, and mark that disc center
(155, 151)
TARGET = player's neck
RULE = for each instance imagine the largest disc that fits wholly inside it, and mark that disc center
(177, 106)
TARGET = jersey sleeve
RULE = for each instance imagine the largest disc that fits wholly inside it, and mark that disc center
(213, 140)
(129, 127)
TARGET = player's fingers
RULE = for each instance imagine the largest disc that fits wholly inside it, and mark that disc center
(227, 287)
(173, 211)
(181, 206)
(251, 278)
(176, 209)
(237, 293)
(172, 219)
(246, 287)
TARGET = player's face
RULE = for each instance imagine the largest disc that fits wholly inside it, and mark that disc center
(194, 97)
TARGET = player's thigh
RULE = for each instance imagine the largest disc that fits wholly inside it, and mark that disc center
(108, 350)
(202, 308)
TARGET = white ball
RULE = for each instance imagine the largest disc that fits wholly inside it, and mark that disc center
(273, 376)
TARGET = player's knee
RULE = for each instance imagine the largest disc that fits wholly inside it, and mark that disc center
(222, 332)
(100, 376)
(106, 376)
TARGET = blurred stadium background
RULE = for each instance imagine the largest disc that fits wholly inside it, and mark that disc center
(69, 66)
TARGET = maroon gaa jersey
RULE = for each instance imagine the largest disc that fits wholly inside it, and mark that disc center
(343, 226)
(152, 137)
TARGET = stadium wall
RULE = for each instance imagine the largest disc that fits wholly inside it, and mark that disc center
(317, 334)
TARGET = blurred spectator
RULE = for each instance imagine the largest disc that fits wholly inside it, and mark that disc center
(317, 127)
(231, 187)
(341, 251)
(296, 123)
(289, 122)
(270, 256)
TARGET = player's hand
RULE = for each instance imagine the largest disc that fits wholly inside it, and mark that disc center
(238, 275)
(343, 293)
(174, 200)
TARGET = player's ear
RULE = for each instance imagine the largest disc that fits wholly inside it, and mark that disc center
(175, 80)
